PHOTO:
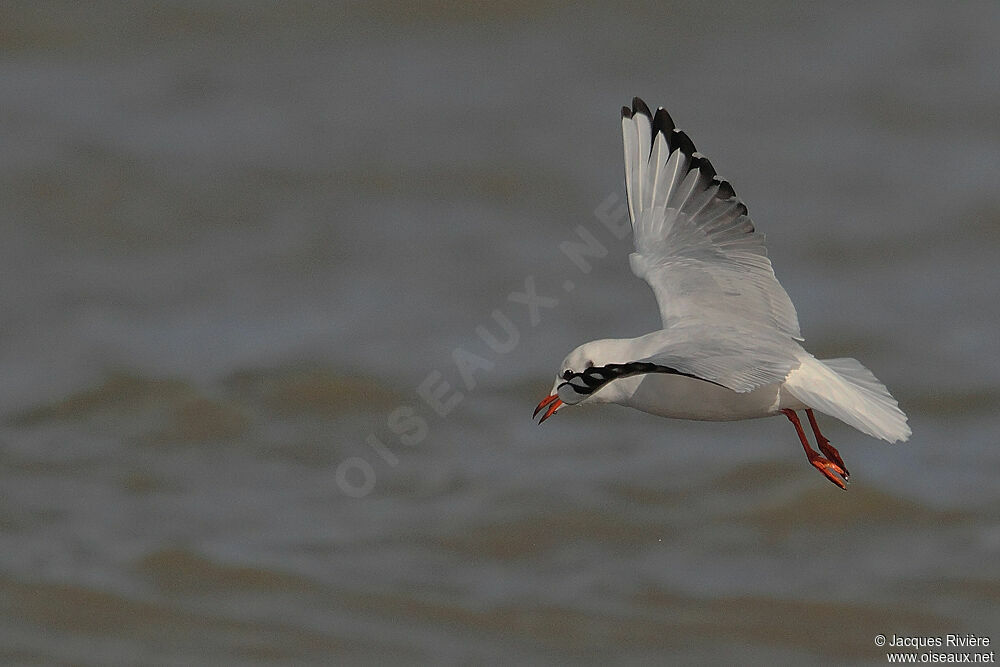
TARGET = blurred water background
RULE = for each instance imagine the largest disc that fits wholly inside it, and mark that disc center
(237, 236)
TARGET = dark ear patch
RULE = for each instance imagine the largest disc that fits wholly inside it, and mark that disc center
(588, 364)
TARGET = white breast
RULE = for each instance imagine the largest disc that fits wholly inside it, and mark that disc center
(682, 397)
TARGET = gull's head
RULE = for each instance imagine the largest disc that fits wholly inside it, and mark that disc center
(579, 376)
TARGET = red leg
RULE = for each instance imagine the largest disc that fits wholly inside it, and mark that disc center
(829, 469)
(829, 451)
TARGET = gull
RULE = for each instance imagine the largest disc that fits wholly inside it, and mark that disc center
(730, 347)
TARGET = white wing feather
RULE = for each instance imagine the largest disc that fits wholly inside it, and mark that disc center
(737, 358)
(694, 242)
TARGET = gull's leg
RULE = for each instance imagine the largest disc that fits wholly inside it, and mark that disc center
(829, 451)
(829, 469)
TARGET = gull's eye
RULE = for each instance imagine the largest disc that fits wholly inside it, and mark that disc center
(567, 374)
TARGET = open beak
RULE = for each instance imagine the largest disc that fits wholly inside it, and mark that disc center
(552, 403)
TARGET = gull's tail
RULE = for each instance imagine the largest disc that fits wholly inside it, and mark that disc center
(845, 389)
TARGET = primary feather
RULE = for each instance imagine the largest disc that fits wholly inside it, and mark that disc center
(694, 241)
(729, 347)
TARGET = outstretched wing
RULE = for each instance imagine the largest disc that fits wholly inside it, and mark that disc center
(694, 241)
(735, 358)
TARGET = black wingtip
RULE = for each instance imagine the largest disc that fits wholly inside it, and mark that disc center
(682, 141)
(663, 123)
(638, 106)
(626, 112)
(726, 191)
(702, 164)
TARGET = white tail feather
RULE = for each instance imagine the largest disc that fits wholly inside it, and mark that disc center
(845, 389)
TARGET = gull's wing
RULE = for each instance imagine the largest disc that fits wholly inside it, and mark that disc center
(738, 358)
(694, 242)
(735, 358)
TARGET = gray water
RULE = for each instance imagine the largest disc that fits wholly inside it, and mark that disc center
(238, 236)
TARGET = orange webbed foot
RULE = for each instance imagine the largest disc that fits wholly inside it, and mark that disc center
(830, 470)
(832, 467)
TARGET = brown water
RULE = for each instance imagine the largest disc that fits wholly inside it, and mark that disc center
(237, 238)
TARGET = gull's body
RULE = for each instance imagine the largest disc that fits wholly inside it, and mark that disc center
(730, 347)
(680, 397)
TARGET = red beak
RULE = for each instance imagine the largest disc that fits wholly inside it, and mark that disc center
(552, 402)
